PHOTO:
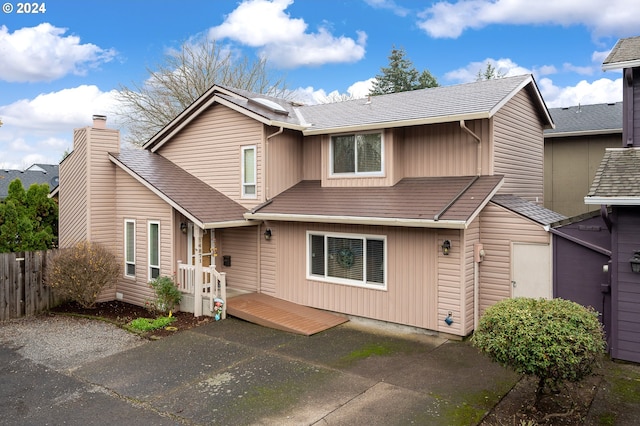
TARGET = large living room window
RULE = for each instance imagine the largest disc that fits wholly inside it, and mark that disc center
(357, 154)
(347, 259)
(130, 248)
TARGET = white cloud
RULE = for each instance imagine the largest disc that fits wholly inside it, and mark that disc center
(43, 53)
(360, 89)
(284, 41)
(389, 5)
(447, 19)
(310, 96)
(504, 67)
(39, 130)
(599, 91)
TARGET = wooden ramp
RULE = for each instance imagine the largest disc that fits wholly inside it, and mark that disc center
(276, 313)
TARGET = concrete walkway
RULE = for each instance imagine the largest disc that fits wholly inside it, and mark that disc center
(236, 373)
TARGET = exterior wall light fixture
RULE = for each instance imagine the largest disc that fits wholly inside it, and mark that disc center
(267, 234)
(635, 262)
(446, 247)
(183, 227)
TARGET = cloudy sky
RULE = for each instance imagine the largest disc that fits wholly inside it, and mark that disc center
(63, 64)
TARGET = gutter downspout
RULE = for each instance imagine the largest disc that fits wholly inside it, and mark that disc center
(266, 158)
(464, 127)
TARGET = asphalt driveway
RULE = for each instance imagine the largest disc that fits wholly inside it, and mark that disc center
(236, 373)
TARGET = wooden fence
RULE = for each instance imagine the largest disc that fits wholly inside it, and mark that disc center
(22, 289)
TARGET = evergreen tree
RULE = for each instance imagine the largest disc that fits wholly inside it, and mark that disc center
(490, 72)
(28, 219)
(401, 76)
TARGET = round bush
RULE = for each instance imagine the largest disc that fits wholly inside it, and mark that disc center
(556, 339)
(81, 272)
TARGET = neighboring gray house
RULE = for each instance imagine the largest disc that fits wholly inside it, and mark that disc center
(573, 150)
(36, 173)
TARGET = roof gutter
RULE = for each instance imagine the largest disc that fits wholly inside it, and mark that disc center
(613, 201)
(355, 220)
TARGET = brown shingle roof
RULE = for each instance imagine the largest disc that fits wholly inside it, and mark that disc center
(617, 177)
(411, 202)
(194, 198)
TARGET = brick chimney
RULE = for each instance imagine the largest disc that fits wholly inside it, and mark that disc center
(99, 121)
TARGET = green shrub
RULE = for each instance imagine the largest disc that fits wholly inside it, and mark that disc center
(555, 340)
(81, 272)
(167, 294)
(148, 324)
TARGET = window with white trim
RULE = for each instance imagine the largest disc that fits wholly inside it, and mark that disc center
(154, 249)
(249, 172)
(347, 259)
(130, 248)
(357, 154)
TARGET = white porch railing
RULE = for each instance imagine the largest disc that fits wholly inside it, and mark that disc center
(214, 285)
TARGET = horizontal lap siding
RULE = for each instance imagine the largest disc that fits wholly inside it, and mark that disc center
(242, 245)
(471, 237)
(210, 149)
(73, 221)
(137, 202)
(411, 287)
(102, 190)
(519, 148)
(451, 283)
(627, 296)
(499, 228)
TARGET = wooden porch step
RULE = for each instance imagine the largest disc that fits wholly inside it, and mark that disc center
(280, 314)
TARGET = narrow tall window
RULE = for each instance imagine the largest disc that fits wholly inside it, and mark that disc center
(130, 248)
(249, 171)
(154, 250)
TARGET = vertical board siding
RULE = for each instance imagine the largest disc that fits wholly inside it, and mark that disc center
(284, 153)
(242, 245)
(411, 295)
(519, 148)
(444, 149)
(210, 149)
(499, 228)
(312, 158)
(72, 222)
(137, 202)
(626, 299)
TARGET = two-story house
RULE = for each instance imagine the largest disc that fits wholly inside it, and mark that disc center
(418, 208)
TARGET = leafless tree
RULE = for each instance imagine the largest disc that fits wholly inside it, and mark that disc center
(182, 77)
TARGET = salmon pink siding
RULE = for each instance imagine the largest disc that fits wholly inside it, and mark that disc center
(138, 203)
(450, 282)
(241, 245)
(312, 158)
(518, 148)
(210, 148)
(73, 223)
(499, 229)
(411, 297)
(284, 152)
(471, 238)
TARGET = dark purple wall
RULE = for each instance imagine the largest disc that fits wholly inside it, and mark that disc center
(625, 285)
(580, 251)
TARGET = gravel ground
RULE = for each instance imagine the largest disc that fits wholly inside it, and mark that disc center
(65, 343)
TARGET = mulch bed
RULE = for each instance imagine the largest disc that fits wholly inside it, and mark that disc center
(121, 313)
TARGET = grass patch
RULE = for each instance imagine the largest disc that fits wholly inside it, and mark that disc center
(150, 324)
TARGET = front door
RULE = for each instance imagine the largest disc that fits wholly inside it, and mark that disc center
(531, 270)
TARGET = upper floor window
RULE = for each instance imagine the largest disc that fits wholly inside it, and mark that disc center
(249, 171)
(357, 154)
(154, 250)
(130, 248)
